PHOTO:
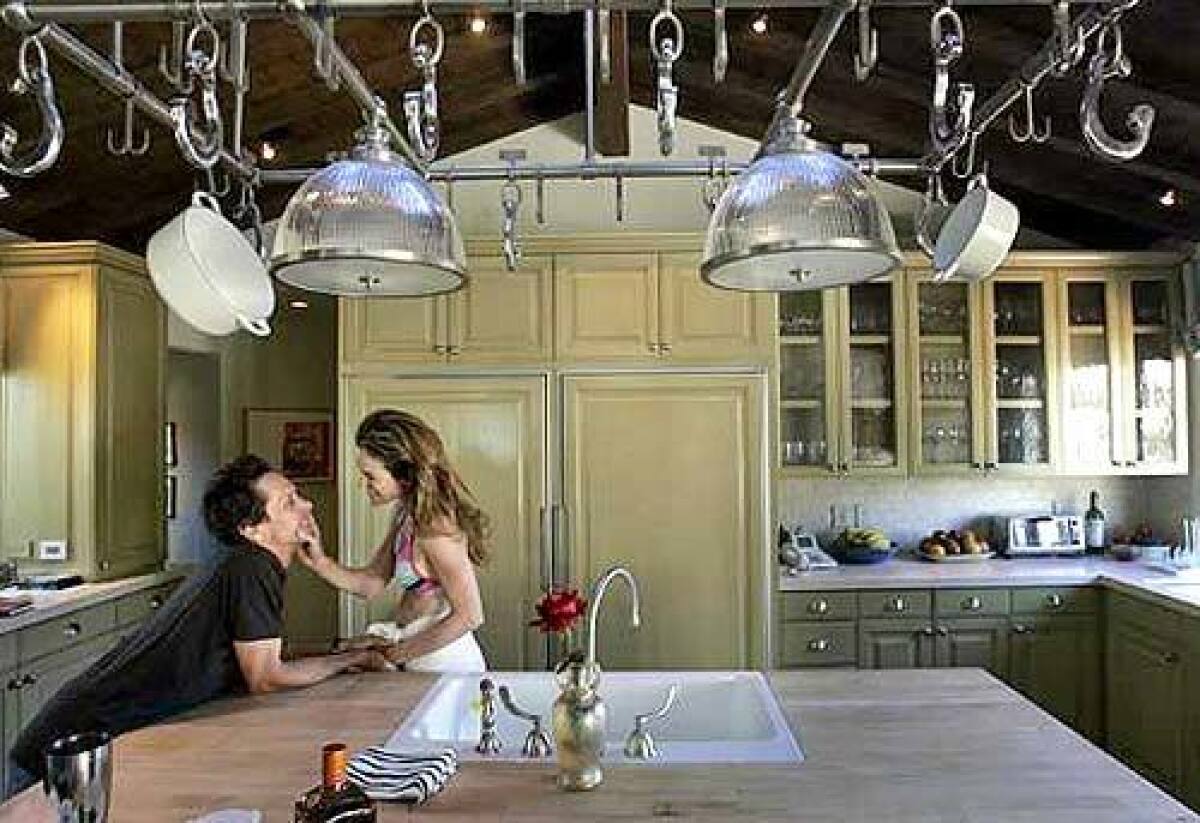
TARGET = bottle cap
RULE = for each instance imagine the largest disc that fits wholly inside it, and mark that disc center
(333, 764)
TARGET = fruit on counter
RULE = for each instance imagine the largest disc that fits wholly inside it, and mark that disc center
(863, 537)
(951, 542)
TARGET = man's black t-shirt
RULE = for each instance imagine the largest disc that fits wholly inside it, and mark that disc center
(182, 657)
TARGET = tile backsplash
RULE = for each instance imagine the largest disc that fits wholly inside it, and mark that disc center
(909, 508)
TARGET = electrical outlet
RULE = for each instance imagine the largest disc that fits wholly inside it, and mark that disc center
(52, 550)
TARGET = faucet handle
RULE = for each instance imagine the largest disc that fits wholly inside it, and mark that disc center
(489, 739)
(537, 742)
(640, 744)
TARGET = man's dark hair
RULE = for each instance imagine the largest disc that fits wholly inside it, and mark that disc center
(231, 500)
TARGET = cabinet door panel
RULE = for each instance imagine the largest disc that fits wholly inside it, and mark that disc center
(40, 420)
(808, 381)
(502, 315)
(385, 329)
(1154, 381)
(704, 323)
(665, 473)
(607, 306)
(974, 643)
(895, 644)
(1056, 663)
(493, 431)
(1089, 334)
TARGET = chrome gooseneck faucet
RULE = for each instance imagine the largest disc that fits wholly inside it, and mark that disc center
(598, 592)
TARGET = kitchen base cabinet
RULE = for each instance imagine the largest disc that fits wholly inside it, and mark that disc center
(1055, 662)
(973, 642)
(896, 644)
(1146, 689)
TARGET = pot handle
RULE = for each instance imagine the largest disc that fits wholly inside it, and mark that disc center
(259, 328)
(205, 200)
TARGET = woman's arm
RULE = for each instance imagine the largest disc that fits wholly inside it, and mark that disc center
(451, 567)
(368, 581)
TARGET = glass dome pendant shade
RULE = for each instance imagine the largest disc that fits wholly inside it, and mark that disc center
(369, 225)
(799, 218)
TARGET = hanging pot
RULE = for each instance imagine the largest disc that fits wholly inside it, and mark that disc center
(977, 235)
(208, 273)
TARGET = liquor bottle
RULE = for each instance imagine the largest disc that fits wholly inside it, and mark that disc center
(1093, 526)
(336, 798)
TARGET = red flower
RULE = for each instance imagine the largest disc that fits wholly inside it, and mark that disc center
(559, 610)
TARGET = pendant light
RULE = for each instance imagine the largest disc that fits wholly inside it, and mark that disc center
(798, 218)
(369, 225)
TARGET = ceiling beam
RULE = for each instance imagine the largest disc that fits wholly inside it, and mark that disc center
(612, 98)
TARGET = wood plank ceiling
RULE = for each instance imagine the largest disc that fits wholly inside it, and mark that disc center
(1060, 188)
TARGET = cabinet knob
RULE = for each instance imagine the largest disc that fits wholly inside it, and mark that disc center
(14, 684)
(977, 465)
(927, 631)
(73, 630)
(991, 466)
(942, 631)
(664, 348)
(972, 604)
(818, 607)
(897, 604)
(1170, 658)
(105, 565)
(1020, 628)
(653, 347)
(29, 679)
(845, 468)
(1054, 601)
(156, 602)
(821, 644)
(1131, 464)
(438, 348)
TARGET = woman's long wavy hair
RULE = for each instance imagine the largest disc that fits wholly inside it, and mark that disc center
(415, 456)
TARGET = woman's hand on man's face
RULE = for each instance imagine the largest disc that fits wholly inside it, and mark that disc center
(309, 535)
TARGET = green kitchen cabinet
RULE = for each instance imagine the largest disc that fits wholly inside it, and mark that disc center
(973, 642)
(904, 643)
(1146, 689)
(1055, 662)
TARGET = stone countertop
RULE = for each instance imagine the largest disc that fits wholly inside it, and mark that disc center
(897, 746)
(51, 604)
(903, 572)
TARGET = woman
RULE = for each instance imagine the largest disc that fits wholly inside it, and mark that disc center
(436, 538)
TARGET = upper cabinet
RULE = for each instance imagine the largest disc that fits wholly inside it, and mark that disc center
(81, 408)
(841, 356)
(587, 300)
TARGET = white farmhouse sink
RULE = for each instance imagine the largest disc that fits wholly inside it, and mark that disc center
(718, 717)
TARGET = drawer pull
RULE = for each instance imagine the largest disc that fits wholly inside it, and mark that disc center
(156, 602)
(1170, 658)
(1054, 601)
(927, 631)
(942, 631)
(14, 684)
(72, 630)
(821, 644)
(972, 604)
(897, 604)
(818, 607)
(29, 680)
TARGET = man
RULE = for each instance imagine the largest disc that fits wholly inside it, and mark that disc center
(220, 634)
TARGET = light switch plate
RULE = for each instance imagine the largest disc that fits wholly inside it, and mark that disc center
(52, 550)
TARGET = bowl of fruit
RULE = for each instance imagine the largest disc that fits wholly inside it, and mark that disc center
(861, 545)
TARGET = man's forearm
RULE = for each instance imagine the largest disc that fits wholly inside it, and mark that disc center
(362, 582)
(310, 670)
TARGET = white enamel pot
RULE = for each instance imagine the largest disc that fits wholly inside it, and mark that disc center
(977, 235)
(208, 273)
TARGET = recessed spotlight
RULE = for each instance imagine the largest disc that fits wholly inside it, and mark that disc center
(299, 304)
(759, 26)
(267, 151)
(1169, 198)
(478, 24)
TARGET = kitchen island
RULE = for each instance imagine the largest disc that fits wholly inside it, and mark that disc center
(921, 745)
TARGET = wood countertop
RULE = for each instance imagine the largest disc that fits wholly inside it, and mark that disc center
(898, 746)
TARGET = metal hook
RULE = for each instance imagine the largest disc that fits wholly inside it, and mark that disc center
(1029, 132)
(510, 205)
(518, 41)
(934, 196)
(721, 42)
(200, 139)
(718, 180)
(947, 40)
(323, 62)
(1068, 53)
(1140, 120)
(665, 52)
(127, 145)
(421, 107)
(35, 80)
(966, 171)
(172, 67)
(868, 43)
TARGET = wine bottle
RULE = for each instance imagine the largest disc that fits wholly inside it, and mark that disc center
(1093, 526)
(336, 798)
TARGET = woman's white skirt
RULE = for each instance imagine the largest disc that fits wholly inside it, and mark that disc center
(463, 655)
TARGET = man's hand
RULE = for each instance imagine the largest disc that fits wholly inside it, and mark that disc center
(363, 642)
(370, 660)
(312, 552)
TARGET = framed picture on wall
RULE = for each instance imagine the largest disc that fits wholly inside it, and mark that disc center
(299, 442)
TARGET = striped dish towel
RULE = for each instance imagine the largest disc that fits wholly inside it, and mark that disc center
(385, 774)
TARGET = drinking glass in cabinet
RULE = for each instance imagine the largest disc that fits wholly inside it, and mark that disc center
(803, 437)
(1085, 304)
(946, 436)
(942, 309)
(1149, 303)
(1018, 308)
(874, 436)
(945, 378)
(871, 308)
(1022, 437)
(800, 313)
(1019, 372)
(802, 372)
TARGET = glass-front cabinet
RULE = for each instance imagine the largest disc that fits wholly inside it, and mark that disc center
(1123, 378)
(946, 434)
(840, 356)
(1018, 367)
